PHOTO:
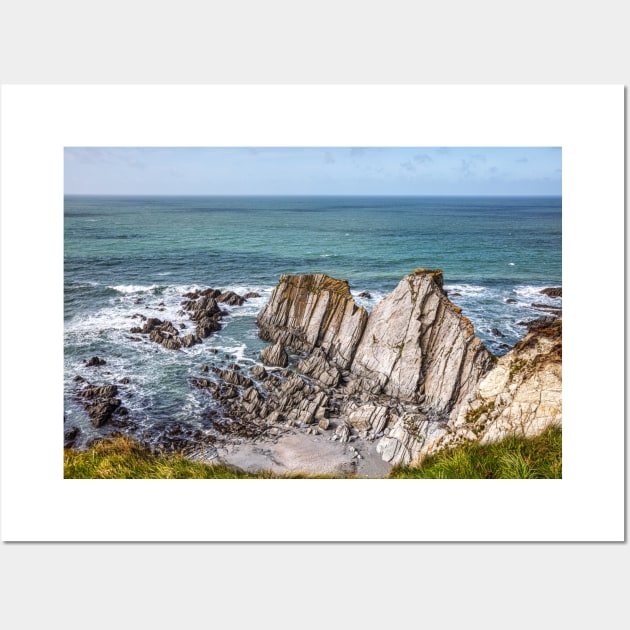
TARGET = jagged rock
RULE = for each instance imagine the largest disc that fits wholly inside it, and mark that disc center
(124, 380)
(553, 292)
(418, 347)
(554, 310)
(78, 379)
(318, 367)
(522, 396)
(70, 436)
(101, 411)
(234, 378)
(94, 361)
(258, 371)
(405, 438)
(413, 374)
(275, 355)
(538, 323)
(230, 298)
(189, 340)
(100, 402)
(203, 383)
(98, 391)
(305, 312)
(342, 432)
(370, 418)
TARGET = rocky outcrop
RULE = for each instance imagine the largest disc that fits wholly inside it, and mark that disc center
(314, 311)
(553, 292)
(417, 347)
(100, 402)
(412, 375)
(275, 355)
(94, 361)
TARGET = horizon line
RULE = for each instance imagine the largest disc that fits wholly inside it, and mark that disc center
(299, 195)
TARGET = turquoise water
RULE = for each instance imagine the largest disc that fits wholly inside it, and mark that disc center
(127, 255)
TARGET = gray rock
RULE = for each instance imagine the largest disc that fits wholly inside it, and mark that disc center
(275, 355)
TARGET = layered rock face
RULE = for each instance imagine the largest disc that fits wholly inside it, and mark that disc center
(305, 312)
(418, 348)
(411, 375)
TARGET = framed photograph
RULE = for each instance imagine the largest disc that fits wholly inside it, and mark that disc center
(311, 313)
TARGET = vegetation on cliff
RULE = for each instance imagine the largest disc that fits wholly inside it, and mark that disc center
(512, 458)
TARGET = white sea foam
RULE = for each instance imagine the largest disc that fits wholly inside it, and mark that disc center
(133, 288)
(531, 293)
(468, 290)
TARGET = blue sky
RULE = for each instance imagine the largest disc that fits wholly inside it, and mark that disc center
(314, 171)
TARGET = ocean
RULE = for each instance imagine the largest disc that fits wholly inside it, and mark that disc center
(126, 256)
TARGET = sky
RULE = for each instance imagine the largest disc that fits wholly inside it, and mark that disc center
(313, 170)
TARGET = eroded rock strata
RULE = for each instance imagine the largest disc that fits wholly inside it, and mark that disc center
(412, 375)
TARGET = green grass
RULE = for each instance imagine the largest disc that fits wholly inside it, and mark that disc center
(123, 458)
(512, 458)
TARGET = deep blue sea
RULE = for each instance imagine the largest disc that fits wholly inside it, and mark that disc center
(128, 255)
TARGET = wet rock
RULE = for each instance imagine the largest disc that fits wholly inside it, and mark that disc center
(124, 381)
(230, 298)
(232, 377)
(365, 294)
(94, 361)
(98, 391)
(101, 411)
(554, 292)
(510, 301)
(70, 436)
(497, 333)
(234, 366)
(538, 323)
(250, 295)
(78, 379)
(546, 307)
(203, 383)
(204, 368)
(275, 355)
(189, 340)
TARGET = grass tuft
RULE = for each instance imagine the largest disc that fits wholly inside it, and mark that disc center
(512, 458)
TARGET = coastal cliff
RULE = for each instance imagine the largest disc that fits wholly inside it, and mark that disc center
(412, 375)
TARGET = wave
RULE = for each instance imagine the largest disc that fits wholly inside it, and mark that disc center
(134, 288)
